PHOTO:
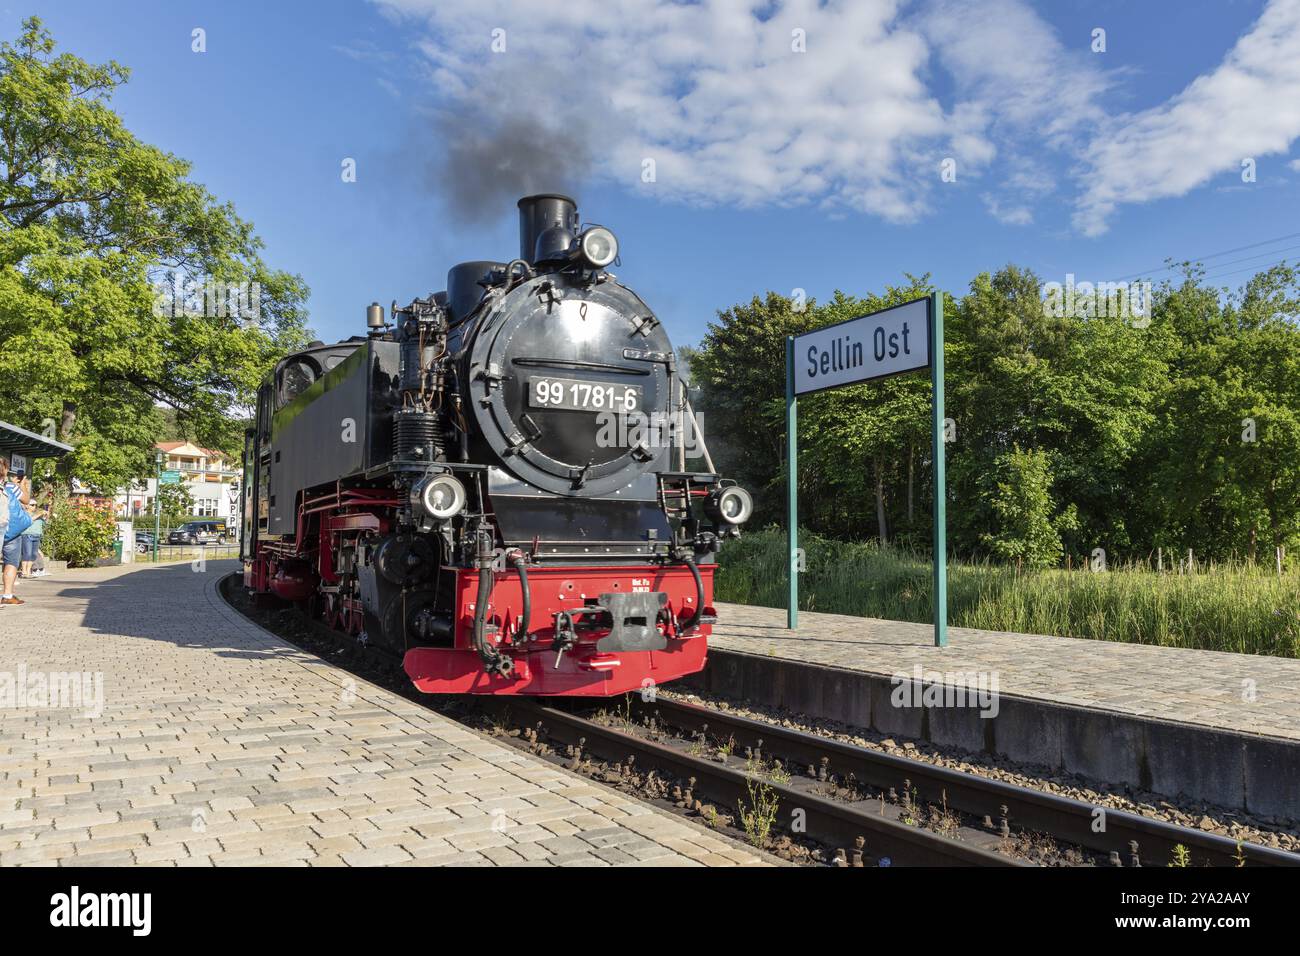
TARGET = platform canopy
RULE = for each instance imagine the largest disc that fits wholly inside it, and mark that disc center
(19, 441)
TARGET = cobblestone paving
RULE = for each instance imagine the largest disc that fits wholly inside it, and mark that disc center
(220, 744)
(1239, 692)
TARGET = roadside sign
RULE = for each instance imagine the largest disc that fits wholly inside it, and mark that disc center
(878, 345)
(170, 477)
(18, 462)
(905, 338)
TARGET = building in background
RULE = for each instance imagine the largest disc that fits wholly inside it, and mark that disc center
(210, 477)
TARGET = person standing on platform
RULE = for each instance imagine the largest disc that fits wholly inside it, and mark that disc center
(31, 539)
(14, 500)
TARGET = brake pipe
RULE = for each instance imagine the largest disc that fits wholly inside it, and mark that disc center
(518, 562)
(686, 559)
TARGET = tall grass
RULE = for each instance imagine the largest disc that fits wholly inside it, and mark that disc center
(1241, 608)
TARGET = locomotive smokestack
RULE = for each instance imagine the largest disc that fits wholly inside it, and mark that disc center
(548, 223)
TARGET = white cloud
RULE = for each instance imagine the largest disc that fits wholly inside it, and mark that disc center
(1010, 69)
(1248, 106)
(1020, 94)
(1011, 215)
(714, 93)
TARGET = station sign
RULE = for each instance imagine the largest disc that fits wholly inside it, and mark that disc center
(889, 342)
(904, 338)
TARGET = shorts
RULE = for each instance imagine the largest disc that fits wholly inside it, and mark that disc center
(31, 545)
(13, 551)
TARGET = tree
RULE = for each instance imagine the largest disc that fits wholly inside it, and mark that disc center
(1073, 431)
(1226, 447)
(1082, 387)
(1027, 531)
(98, 232)
(739, 369)
(176, 502)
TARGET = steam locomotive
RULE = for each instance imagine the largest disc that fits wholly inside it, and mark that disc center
(493, 484)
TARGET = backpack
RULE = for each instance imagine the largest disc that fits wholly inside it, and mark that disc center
(19, 519)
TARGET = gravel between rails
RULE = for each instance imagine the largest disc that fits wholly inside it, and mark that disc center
(1235, 824)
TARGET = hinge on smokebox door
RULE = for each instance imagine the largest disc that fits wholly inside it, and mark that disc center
(519, 443)
(644, 325)
(641, 355)
(492, 377)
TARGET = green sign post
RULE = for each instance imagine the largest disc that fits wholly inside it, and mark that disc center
(157, 501)
(893, 341)
(792, 486)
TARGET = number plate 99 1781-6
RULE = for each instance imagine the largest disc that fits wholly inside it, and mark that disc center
(575, 395)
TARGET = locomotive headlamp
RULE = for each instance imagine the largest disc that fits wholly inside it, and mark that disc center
(732, 505)
(439, 496)
(598, 247)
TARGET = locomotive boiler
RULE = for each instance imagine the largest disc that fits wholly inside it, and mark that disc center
(503, 484)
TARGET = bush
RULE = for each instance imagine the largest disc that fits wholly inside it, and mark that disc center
(80, 531)
(1247, 608)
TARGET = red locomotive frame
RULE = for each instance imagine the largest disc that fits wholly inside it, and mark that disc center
(306, 568)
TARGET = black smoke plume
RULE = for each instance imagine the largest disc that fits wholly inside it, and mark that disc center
(486, 169)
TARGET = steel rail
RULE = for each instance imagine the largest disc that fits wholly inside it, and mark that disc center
(834, 823)
(1073, 821)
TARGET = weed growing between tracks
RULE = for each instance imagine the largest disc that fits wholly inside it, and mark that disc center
(761, 813)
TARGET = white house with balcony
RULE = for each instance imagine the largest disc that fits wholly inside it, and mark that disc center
(210, 477)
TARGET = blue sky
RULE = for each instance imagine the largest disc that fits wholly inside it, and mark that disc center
(775, 168)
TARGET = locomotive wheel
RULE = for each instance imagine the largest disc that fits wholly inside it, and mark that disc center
(401, 610)
(404, 561)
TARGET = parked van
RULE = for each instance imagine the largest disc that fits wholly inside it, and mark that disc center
(201, 532)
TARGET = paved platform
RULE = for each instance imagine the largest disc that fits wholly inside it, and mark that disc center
(215, 743)
(1218, 725)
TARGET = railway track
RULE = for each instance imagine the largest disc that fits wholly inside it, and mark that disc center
(862, 833)
(1123, 838)
(864, 806)
(837, 825)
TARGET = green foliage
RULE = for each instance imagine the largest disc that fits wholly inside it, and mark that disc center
(1243, 608)
(1021, 499)
(759, 815)
(1072, 432)
(91, 220)
(742, 399)
(79, 531)
(177, 504)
